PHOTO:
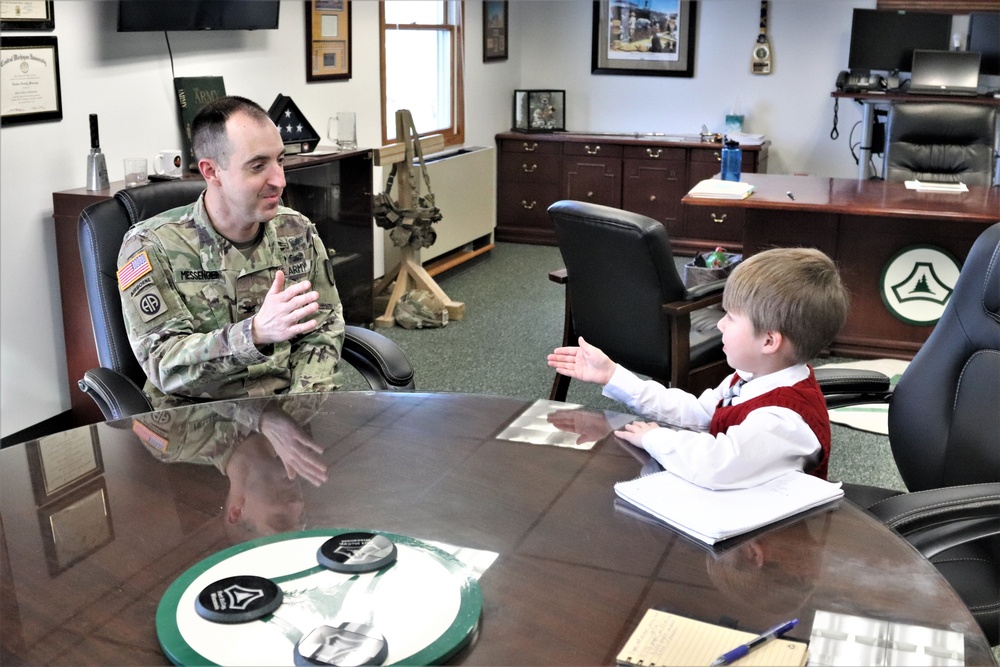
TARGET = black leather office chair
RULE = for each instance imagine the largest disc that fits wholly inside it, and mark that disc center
(940, 141)
(116, 385)
(623, 294)
(944, 430)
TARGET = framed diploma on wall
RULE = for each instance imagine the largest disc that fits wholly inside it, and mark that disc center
(35, 15)
(29, 80)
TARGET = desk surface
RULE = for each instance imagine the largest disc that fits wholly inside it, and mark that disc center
(94, 527)
(865, 198)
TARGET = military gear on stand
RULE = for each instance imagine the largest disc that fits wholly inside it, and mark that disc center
(409, 226)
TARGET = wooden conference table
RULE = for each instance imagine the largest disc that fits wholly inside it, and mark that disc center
(862, 225)
(94, 527)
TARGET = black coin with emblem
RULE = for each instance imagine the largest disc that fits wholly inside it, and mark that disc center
(356, 552)
(238, 599)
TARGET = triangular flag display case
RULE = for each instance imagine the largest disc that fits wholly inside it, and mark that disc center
(296, 132)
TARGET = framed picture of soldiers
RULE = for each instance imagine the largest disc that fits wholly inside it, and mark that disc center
(654, 39)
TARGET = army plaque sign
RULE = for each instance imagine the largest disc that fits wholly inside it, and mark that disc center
(917, 283)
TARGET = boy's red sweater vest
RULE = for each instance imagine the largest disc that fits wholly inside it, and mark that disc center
(805, 398)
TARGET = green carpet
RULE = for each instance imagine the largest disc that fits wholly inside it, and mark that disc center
(514, 317)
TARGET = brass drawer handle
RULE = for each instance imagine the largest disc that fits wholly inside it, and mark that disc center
(649, 152)
(527, 205)
(592, 151)
(531, 148)
(718, 156)
(719, 219)
(528, 169)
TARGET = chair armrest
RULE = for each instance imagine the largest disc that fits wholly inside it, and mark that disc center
(687, 307)
(698, 291)
(380, 361)
(939, 519)
(845, 386)
(560, 276)
(116, 395)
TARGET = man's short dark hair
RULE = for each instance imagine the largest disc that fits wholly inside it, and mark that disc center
(208, 129)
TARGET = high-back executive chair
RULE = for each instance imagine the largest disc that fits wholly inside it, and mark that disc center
(944, 430)
(941, 141)
(623, 294)
(116, 385)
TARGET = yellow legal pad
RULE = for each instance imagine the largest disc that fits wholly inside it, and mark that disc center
(662, 640)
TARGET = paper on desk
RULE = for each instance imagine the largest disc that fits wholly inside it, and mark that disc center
(711, 516)
(929, 186)
(747, 139)
(715, 188)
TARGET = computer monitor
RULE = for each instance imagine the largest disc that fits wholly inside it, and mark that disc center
(885, 40)
(984, 38)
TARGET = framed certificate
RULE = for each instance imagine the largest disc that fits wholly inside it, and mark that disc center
(27, 15)
(328, 40)
(29, 80)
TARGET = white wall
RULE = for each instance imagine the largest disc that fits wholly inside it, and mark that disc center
(126, 79)
(809, 44)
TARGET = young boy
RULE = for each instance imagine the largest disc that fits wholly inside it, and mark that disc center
(783, 306)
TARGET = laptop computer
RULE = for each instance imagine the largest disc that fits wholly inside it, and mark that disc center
(945, 72)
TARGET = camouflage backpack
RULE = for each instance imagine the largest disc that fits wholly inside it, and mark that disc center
(419, 309)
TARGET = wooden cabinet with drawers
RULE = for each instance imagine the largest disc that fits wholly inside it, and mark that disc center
(644, 174)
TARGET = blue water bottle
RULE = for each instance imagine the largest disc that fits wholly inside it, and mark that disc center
(732, 158)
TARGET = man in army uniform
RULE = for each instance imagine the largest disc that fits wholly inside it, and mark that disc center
(232, 295)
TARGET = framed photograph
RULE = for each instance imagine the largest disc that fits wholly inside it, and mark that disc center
(27, 15)
(29, 80)
(328, 40)
(656, 39)
(494, 30)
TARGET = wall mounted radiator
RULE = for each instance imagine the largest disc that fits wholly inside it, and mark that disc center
(464, 186)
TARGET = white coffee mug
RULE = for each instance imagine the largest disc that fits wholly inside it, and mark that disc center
(168, 163)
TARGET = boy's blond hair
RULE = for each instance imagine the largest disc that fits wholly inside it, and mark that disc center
(794, 291)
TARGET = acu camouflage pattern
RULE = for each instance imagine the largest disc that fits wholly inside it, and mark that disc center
(189, 318)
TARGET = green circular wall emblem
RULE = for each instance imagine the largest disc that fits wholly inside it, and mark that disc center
(917, 283)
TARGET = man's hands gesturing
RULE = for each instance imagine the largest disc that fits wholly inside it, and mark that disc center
(280, 316)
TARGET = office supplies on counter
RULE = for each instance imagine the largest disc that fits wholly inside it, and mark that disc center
(664, 639)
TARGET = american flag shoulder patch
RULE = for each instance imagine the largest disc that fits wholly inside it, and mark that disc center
(134, 269)
(150, 436)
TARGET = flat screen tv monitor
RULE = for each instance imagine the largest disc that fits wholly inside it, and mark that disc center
(885, 40)
(157, 15)
(984, 38)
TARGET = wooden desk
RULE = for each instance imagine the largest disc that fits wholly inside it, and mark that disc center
(332, 190)
(862, 225)
(572, 578)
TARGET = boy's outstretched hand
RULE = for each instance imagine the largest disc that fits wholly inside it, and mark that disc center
(586, 363)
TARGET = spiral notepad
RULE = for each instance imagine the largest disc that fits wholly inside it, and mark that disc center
(664, 640)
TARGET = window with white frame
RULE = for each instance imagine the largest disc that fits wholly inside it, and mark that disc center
(422, 66)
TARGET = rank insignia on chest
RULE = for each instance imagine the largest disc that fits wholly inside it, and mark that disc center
(134, 269)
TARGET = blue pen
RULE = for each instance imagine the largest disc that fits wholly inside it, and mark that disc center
(730, 657)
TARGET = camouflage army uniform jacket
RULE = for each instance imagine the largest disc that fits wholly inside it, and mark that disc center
(188, 298)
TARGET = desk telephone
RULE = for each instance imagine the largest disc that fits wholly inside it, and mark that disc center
(859, 81)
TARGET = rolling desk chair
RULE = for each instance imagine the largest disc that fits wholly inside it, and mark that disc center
(116, 385)
(941, 141)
